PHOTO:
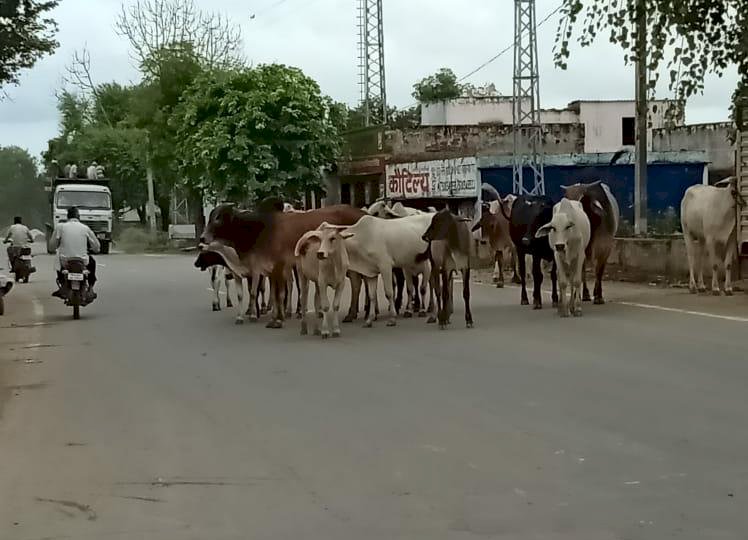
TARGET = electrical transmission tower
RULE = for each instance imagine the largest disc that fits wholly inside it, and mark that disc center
(371, 61)
(528, 131)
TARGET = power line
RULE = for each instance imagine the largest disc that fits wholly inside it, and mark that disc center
(510, 46)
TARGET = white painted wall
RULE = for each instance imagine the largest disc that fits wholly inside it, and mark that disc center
(603, 131)
(467, 112)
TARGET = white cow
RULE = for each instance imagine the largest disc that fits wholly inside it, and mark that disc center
(218, 275)
(380, 209)
(709, 219)
(322, 258)
(568, 235)
(379, 245)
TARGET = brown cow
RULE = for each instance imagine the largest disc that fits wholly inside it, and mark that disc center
(602, 208)
(265, 242)
(452, 250)
(495, 226)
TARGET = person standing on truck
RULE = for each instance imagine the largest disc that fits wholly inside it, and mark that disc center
(19, 236)
(73, 240)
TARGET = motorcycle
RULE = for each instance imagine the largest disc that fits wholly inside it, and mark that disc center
(5, 286)
(21, 263)
(75, 291)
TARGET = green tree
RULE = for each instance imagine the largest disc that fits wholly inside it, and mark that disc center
(255, 132)
(690, 37)
(440, 86)
(21, 189)
(26, 35)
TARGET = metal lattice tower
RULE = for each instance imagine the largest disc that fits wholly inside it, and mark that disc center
(528, 131)
(371, 61)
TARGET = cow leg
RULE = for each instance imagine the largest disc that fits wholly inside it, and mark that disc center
(599, 271)
(389, 293)
(324, 300)
(576, 303)
(297, 277)
(515, 266)
(554, 283)
(537, 281)
(691, 248)
(304, 298)
(410, 304)
(337, 296)
(499, 267)
(564, 304)
(496, 266)
(399, 276)
(278, 283)
(245, 300)
(215, 285)
(371, 290)
(355, 293)
(585, 291)
(228, 280)
(444, 311)
(422, 289)
(436, 293)
(466, 297)
(523, 277)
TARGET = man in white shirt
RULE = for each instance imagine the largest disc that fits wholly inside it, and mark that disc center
(18, 236)
(74, 239)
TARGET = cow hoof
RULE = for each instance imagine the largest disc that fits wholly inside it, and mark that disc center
(421, 314)
(229, 303)
(325, 335)
(304, 332)
(368, 324)
(577, 313)
(274, 325)
(216, 308)
(349, 319)
(336, 333)
(692, 290)
(431, 320)
(728, 292)
(555, 303)
(392, 322)
(586, 298)
(408, 315)
(516, 280)
(468, 324)
(702, 290)
(500, 285)
(239, 320)
(599, 301)
(537, 306)
(716, 293)
(253, 319)
(524, 302)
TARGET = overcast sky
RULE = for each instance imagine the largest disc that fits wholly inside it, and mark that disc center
(320, 36)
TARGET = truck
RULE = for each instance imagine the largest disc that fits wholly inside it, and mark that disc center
(93, 199)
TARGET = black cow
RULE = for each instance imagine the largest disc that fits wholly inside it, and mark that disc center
(529, 213)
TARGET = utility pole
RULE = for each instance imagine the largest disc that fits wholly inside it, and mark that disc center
(527, 129)
(151, 206)
(371, 61)
(640, 176)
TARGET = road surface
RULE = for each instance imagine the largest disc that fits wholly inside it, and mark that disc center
(155, 418)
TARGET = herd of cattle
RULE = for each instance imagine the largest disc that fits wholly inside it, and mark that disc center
(417, 253)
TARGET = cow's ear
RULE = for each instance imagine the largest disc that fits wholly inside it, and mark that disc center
(477, 226)
(303, 243)
(544, 230)
(598, 209)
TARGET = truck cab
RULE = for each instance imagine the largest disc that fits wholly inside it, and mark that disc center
(94, 202)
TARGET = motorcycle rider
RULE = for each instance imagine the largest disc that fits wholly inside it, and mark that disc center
(74, 239)
(19, 236)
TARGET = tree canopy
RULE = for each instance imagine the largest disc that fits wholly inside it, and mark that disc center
(690, 37)
(21, 189)
(258, 131)
(26, 35)
(440, 86)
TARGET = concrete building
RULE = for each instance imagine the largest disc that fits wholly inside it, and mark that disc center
(609, 126)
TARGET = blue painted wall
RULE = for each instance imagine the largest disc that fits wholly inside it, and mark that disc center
(666, 184)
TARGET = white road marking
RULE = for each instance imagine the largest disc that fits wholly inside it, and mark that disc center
(685, 312)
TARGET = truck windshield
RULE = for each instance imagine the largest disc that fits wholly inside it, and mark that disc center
(84, 199)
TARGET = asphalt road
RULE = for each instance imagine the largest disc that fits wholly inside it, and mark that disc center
(154, 418)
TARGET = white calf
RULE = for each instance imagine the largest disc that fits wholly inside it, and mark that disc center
(708, 217)
(568, 235)
(323, 259)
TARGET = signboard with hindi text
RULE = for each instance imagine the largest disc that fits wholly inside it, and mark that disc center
(439, 179)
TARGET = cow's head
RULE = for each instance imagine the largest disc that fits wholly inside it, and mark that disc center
(220, 223)
(529, 213)
(562, 230)
(378, 209)
(327, 239)
(732, 183)
(206, 259)
(444, 227)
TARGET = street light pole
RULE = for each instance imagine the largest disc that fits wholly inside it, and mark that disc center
(640, 176)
